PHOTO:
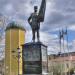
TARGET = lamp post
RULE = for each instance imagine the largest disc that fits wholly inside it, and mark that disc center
(18, 56)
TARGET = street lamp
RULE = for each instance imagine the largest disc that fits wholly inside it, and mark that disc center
(18, 56)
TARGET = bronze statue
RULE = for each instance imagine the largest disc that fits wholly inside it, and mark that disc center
(35, 19)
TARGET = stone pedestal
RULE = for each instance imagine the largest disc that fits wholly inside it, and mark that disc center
(35, 59)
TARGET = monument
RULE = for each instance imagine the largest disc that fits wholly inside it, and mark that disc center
(35, 53)
(35, 19)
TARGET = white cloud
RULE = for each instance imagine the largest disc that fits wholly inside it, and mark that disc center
(9, 7)
(59, 13)
(72, 27)
(72, 46)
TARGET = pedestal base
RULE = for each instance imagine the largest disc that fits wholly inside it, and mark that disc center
(35, 59)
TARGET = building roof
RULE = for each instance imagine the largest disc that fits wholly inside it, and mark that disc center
(14, 25)
(65, 56)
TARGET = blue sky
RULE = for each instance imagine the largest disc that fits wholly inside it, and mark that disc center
(59, 14)
(71, 35)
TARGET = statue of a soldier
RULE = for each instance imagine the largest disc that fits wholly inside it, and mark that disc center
(35, 19)
(35, 25)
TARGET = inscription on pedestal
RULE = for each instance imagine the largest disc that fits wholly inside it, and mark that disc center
(34, 58)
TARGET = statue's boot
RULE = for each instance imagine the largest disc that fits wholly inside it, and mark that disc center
(38, 39)
(33, 40)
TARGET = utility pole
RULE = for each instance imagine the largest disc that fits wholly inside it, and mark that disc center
(60, 49)
(61, 38)
(68, 50)
(60, 41)
(64, 51)
(65, 33)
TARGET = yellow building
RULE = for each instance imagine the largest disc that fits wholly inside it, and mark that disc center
(14, 38)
